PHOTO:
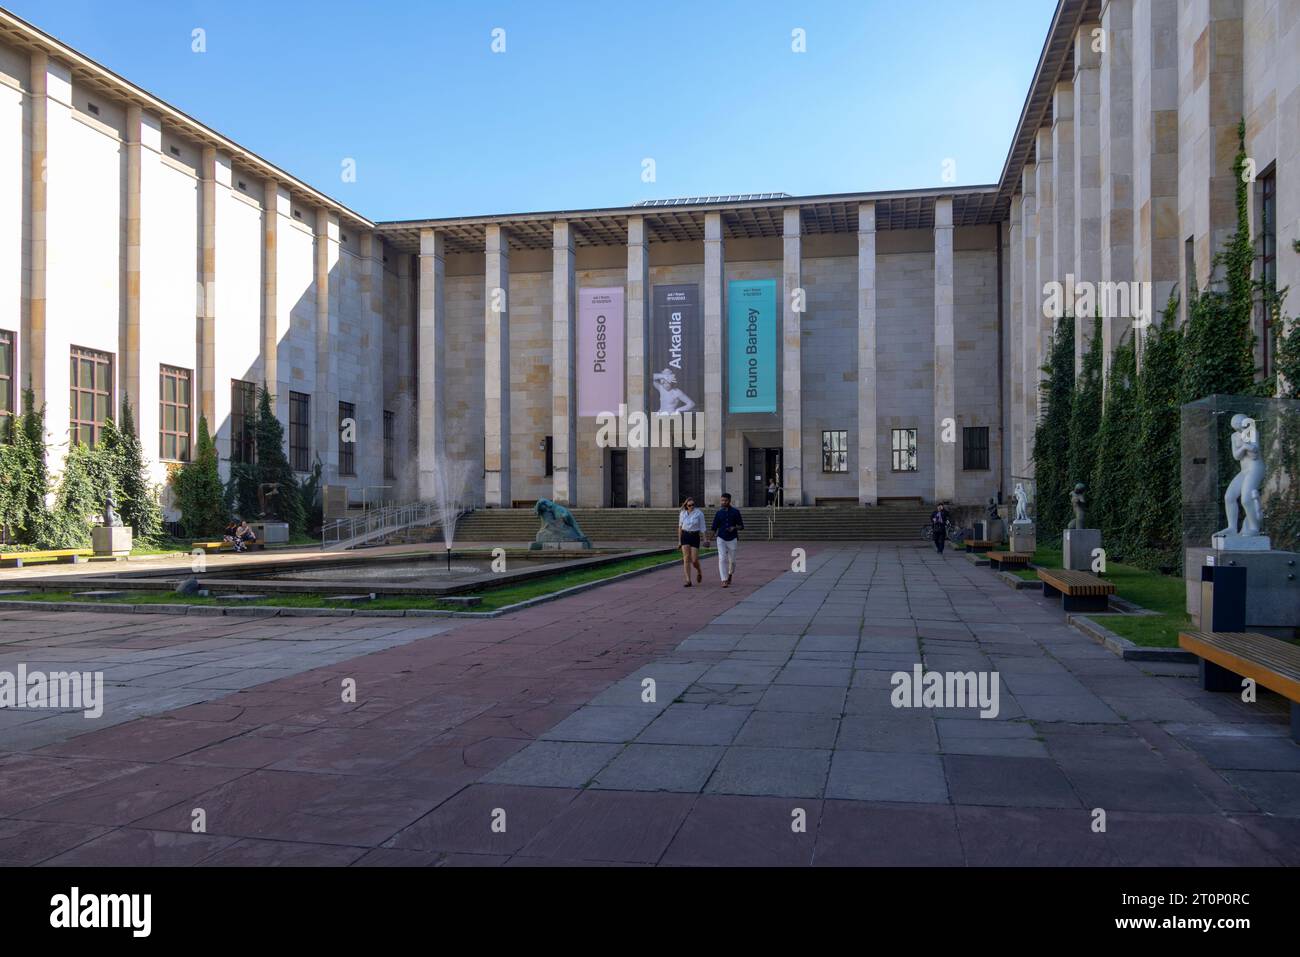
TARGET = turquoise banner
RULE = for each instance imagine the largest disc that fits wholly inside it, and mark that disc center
(751, 345)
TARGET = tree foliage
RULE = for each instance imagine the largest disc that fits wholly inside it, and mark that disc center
(1157, 470)
(1085, 411)
(1052, 434)
(1114, 476)
(197, 486)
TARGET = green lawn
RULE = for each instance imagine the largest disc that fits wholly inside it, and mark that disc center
(493, 598)
(1164, 594)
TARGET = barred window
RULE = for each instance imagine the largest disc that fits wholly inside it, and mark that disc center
(243, 421)
(903, 445)
(7, 397)
(299, 419)
(390, 445)
(975, 448)
(835, 451)
(347, 438)
(90, 394)
(174, 414)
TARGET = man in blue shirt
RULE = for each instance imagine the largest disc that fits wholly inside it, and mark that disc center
(727, 524)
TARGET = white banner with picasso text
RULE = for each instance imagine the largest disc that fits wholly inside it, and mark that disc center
(600, 350)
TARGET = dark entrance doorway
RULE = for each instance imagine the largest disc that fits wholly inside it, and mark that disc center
(617, 478)
(764, 465)
(690, 478)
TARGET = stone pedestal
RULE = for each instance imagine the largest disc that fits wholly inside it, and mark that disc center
(271, 533)
(111, 540)
(1022, 538)
(1241, 543)
(990, 530)
(1077, 545)
(1272, 587)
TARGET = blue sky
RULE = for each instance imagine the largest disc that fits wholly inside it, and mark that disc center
(440, 125)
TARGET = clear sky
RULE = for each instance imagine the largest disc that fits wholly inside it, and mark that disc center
(584, 93)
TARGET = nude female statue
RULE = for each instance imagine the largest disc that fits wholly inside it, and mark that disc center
(1022, 503)
(671, 399)
(1243, 490)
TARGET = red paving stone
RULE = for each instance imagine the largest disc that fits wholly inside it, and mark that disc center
(289, 773)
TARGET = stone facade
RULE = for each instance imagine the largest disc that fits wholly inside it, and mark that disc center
(128, 229)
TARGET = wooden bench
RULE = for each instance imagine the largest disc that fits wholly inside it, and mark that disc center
(75, 555)
(1000, 560)
(980, 545)
(225, 546)
(1079, 591)
(1229, 656)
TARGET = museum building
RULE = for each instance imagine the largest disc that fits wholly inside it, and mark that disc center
(867, 347)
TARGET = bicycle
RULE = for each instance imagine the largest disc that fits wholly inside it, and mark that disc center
(954, 534)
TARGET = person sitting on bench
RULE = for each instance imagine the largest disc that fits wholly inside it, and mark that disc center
(244, 536)
(230, 535)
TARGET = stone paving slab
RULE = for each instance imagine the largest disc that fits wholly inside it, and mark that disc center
(770, 737)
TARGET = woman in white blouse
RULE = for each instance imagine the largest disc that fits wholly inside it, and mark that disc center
(690, 528)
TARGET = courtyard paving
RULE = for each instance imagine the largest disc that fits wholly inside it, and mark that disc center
(534, 738)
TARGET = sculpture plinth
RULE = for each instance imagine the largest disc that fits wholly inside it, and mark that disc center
(1023, 539)
(1078, 546)
(111, 541)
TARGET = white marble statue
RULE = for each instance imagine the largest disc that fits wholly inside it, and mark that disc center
(1022, 503)
(1243, 490)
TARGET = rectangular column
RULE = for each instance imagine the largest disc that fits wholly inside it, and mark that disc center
(406, 399)
(1116, 159)
(212, 168)
(325, 395)
(564, 385)
(715, 349)
(51, 99)
(496, 368)
(1063, 187)
(945, 357)
(792, 358)
(1015, 333)
(371, 404)
(638, 335)
(272, 204)
(1087, 173)
(1156, 243)
(868, 454)
(1030, 311)
(431, 362)
(138, 126)
(1045, 254)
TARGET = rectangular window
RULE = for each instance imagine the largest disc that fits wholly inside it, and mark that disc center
(835, 451)
(975, 448)
(347, 438)
(1267, 261)
(173, 414)
(390, 445)
(299, 424)
(549, 454)
(8, 399)
(243, 421)
(91, 394)
(903, 445)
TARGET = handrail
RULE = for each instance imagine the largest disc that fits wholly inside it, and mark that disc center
(344, 533)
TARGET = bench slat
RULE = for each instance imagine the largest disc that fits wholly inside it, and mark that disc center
(1075, 583)
(1271, 662)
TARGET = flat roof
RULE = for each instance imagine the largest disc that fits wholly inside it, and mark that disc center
(684, 221)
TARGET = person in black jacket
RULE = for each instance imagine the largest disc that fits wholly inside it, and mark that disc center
(939, 526)
(727, 524)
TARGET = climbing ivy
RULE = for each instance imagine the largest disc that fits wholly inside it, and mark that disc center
(1156, 469)
(1085, 412)
(1114, 475)
(1052, 434)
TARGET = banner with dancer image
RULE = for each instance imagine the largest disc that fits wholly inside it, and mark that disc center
(600, 350)
(751, 345)
(676, 350)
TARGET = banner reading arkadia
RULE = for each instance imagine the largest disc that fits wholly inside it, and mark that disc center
(751, 345)
(677, 349)
(600, 350)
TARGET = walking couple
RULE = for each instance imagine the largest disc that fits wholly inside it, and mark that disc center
(727, 524)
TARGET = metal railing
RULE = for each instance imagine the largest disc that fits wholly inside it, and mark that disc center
(375, 523)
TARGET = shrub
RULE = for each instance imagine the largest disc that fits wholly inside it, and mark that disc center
(197, 485)
(1157, 470)
(1115, 475)
(1052, 435)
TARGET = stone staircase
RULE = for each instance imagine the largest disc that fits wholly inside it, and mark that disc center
(808, 524)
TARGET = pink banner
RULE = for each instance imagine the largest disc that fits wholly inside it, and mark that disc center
(600, 350)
